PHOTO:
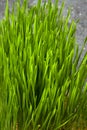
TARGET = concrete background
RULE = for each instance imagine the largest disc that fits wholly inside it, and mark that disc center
(78, 11)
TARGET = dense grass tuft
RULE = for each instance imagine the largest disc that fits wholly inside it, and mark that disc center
(42, 86)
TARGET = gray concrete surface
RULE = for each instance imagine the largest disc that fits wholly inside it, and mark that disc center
(78, 11)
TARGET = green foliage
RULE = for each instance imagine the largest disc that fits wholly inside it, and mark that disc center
(42, 84)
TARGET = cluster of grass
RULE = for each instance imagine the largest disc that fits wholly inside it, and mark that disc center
(42, 86)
